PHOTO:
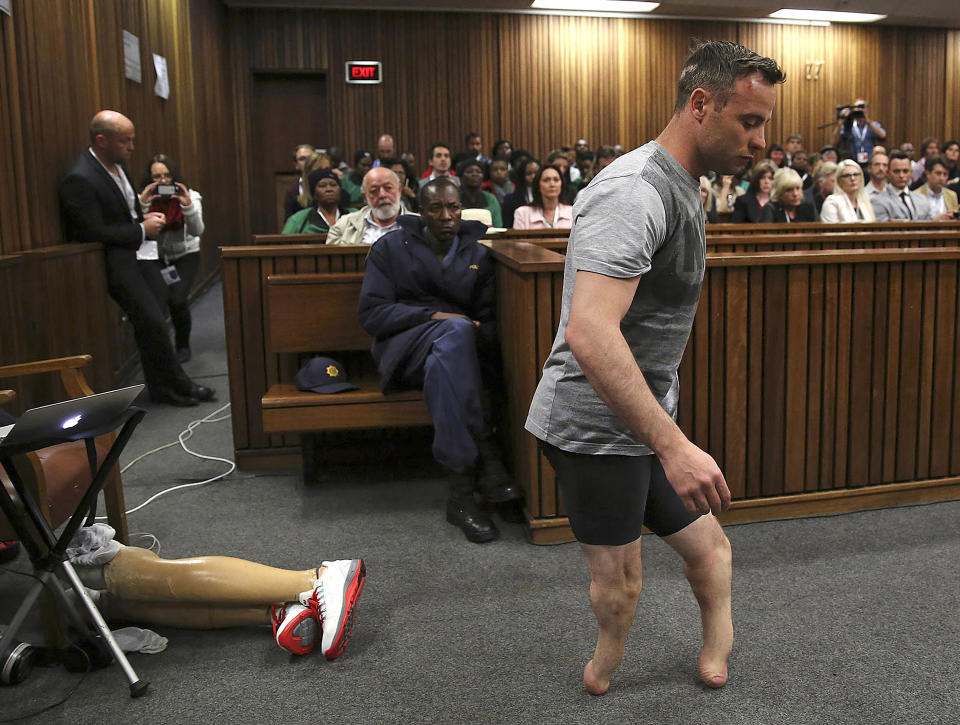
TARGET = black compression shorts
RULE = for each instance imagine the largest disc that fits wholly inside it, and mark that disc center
(610, 498)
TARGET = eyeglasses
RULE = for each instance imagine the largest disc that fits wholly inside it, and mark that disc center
(849, 176)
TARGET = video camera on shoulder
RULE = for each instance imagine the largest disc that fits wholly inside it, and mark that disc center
(854, 111)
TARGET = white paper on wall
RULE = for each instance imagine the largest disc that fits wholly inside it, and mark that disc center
(131, 57)
(162, 86)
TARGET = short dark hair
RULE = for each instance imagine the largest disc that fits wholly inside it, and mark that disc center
(433, 186)
(898, 154)
(467, 163)
(716, 65)
(471, 135)
(938, 161)
(585, 156)
(439, 145)
(606, 152)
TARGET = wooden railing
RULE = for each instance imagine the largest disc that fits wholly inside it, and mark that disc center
(820, 379)
(813, 373)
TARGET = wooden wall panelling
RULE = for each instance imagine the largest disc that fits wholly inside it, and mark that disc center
(925, 61)
(440, 79)
(285, 39)
(13, 207)
(216, 169)
(951, 98)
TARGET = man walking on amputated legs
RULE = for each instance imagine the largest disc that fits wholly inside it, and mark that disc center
(605, 408)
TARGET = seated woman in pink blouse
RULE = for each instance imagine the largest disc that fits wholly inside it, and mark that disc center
(546, 211)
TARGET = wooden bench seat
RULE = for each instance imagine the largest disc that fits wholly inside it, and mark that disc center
(317, 314)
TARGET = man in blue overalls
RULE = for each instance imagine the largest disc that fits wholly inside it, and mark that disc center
(428, 300)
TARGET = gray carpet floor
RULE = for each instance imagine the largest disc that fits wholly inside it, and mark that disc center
(844, 619)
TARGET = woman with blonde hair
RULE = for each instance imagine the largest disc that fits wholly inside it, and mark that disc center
(849, 201)
(316, 160)
(786, 202)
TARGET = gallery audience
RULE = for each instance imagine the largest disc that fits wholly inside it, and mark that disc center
(470, 173)
(546, 210)
(527, 171)
(877, 170)
(499, 183)
(943, 201)
(849, 201)
(381, 191)
(513, 177)
(725, 190)
(324, 212)
(824, 182)
(786, 202)
(290, 203)
(748, 207)
(439, 163)
(898, 202)
(353, 181)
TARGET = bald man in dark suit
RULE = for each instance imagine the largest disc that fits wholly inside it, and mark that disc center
(100, 205)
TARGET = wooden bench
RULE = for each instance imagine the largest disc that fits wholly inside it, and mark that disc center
(317, 313)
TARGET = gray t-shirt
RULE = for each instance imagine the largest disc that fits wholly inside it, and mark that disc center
(640, 216)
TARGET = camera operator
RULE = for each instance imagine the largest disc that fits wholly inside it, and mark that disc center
(856, 132)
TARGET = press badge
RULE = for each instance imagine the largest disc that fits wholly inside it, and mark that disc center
(170, 274)
(862, 157)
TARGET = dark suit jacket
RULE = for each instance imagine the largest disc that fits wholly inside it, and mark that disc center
(746, 209)
(773, 212)
(94, 208)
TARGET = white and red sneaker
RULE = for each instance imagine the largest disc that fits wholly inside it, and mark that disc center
(295, 627)
(333, 599)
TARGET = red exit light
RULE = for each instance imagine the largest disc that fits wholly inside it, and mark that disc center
(363, 71)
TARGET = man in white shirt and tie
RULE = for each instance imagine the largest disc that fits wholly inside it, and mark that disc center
(943, 201)
(898, 203)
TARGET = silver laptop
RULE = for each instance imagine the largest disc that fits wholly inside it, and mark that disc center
(68, 420)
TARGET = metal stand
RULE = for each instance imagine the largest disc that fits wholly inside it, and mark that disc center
(48, 553)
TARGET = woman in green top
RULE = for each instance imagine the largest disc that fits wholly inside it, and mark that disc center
(471, 175)
(324, 212)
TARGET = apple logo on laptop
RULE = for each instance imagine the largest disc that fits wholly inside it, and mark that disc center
(71, 422)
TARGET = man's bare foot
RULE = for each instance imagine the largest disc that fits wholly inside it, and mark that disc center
(595, 685)
(717, 645)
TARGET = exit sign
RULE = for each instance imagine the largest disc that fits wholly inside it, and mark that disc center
(364, 71)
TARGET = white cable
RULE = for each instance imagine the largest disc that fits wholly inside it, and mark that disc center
(184, 436)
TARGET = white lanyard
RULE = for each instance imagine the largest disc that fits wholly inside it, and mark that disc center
(860, 131)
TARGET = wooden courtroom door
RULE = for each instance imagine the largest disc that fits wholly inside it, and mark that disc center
(286, 109)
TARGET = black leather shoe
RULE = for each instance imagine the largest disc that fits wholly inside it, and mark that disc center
(183, 354)
(499, 491)
(170, 397)
(493, 481)
(474, 523)
(202, 392)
